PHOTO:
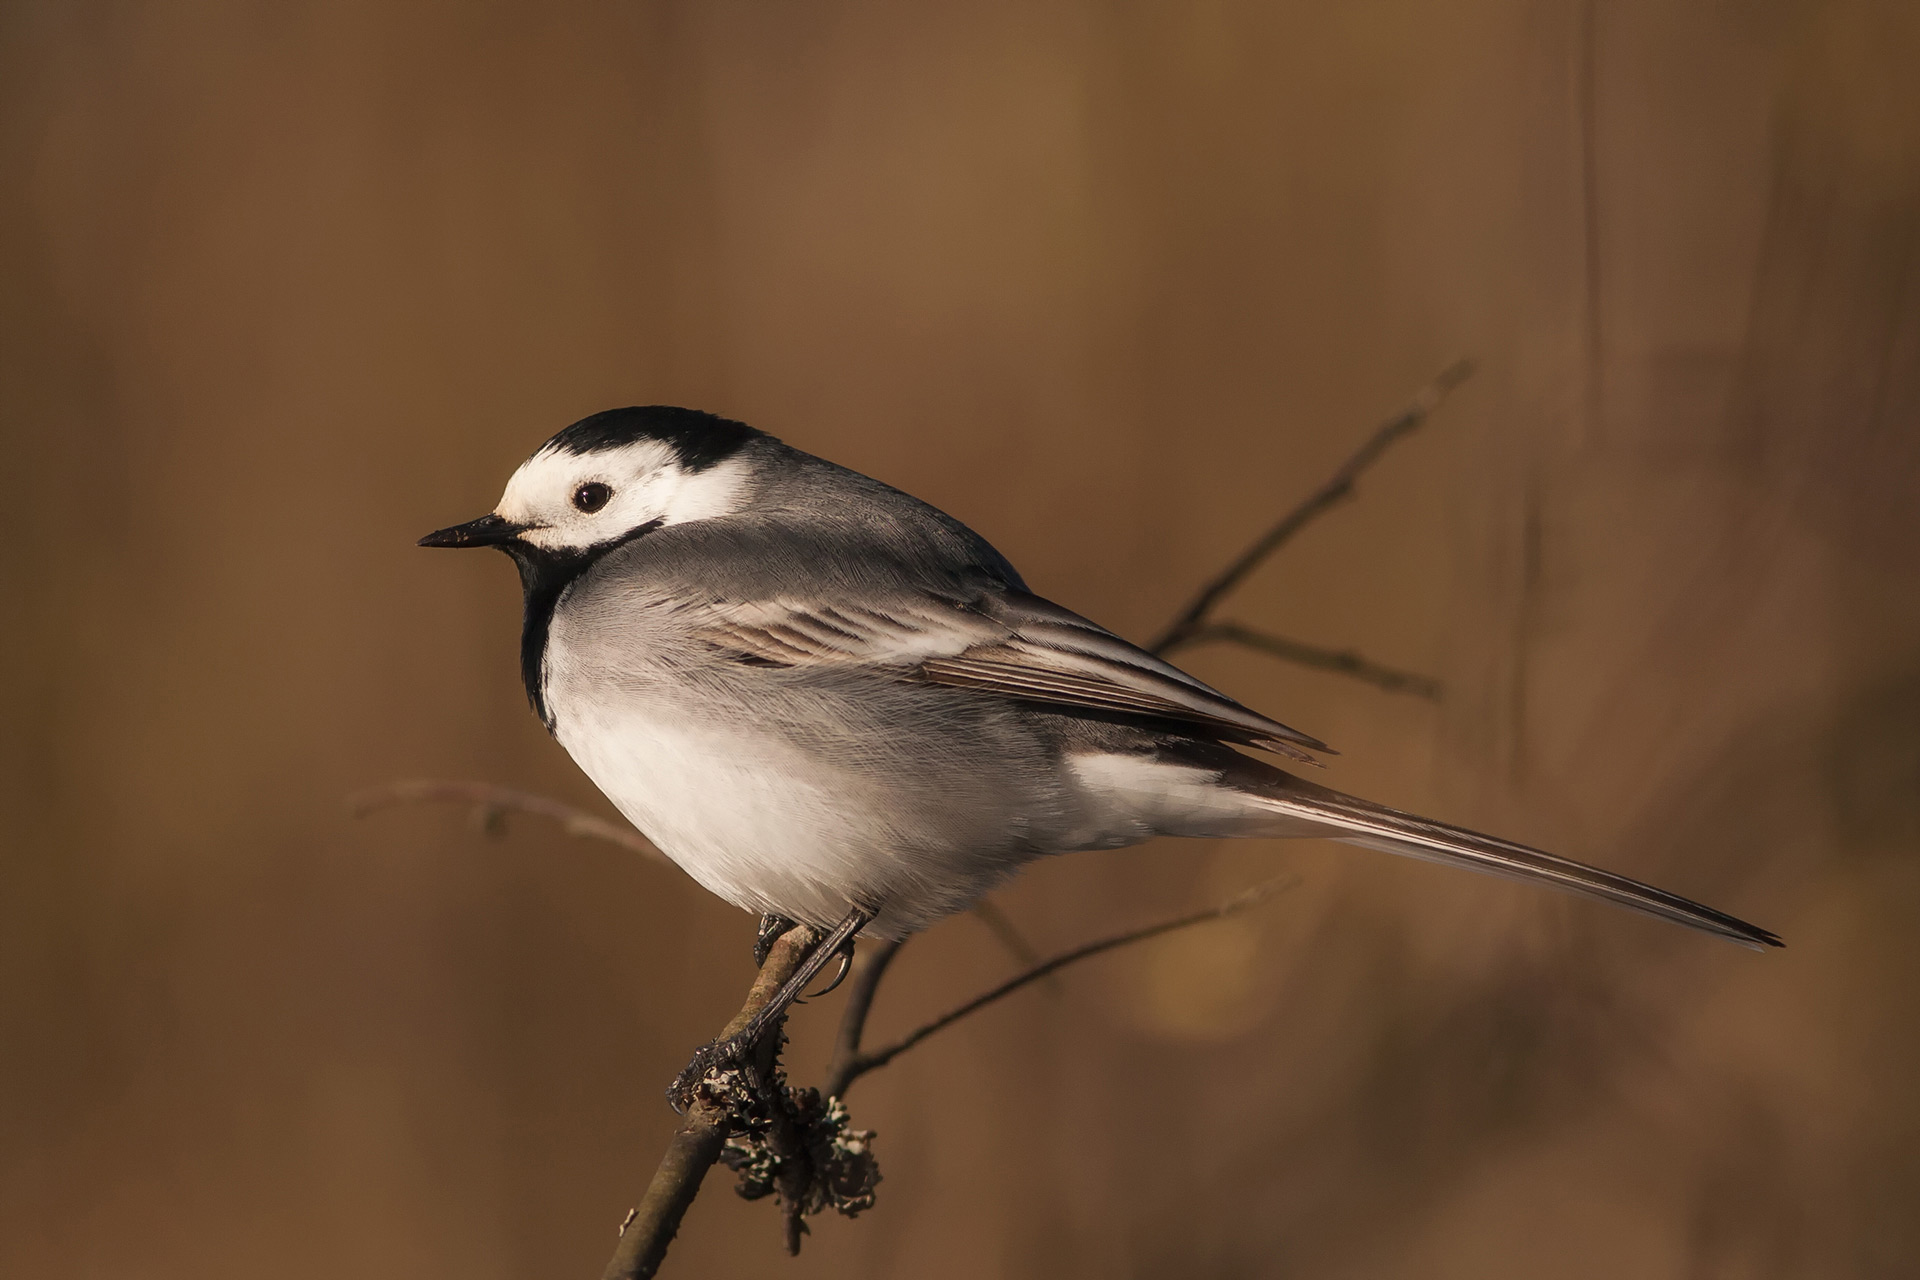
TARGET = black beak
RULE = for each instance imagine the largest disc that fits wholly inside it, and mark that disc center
(487, 531)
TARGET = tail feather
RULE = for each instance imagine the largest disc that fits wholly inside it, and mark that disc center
(1354, 821)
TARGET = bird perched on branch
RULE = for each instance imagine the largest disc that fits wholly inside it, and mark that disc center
(831, 703)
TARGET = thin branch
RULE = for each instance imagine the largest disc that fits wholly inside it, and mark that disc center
(1345, 661)
(1243, 901)
(1006, 932)
(868, 968)
(490, 802)
(696, 1144)
(1338, 487)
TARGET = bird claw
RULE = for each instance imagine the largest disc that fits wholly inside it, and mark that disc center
(840, 975)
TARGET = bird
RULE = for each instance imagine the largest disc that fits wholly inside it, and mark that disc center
(833, 704)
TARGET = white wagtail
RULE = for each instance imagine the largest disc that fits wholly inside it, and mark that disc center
(831, 703)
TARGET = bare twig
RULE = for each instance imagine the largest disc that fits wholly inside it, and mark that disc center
(868, 968)
(1338, 487)
(1345, 661)
(696, 1144)
(1006, 932)
(1243, 901)
(490, 802)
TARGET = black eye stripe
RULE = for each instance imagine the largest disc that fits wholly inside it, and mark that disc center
(592, 496)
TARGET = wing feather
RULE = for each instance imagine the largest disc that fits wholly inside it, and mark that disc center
(1009, 643)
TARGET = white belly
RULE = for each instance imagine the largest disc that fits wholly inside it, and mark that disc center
(749, 819)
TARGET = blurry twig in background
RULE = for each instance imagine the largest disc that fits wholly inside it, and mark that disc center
(868, 968)
(1344, 661)
(854, 1064)
(1189, 624)
(1009, 935)
(797, 1143)
(492, 803)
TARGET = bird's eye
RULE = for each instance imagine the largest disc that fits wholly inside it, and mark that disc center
(592, 496)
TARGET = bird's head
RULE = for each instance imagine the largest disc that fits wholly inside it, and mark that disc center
(613, 477)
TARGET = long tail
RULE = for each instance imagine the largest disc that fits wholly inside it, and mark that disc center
(1303, 808)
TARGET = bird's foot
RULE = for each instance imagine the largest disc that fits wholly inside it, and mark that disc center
(722, 1073)
(771, 927)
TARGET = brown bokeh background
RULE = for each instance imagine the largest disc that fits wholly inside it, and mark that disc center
(288, 285)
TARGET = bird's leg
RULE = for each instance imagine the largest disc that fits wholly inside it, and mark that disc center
(771, 927)
(736, 1051)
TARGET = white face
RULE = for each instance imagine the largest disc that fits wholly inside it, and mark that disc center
(571, 501)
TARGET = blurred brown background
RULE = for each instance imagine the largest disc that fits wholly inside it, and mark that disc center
(288, 285)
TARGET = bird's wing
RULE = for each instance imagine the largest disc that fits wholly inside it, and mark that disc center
(1008, 643)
